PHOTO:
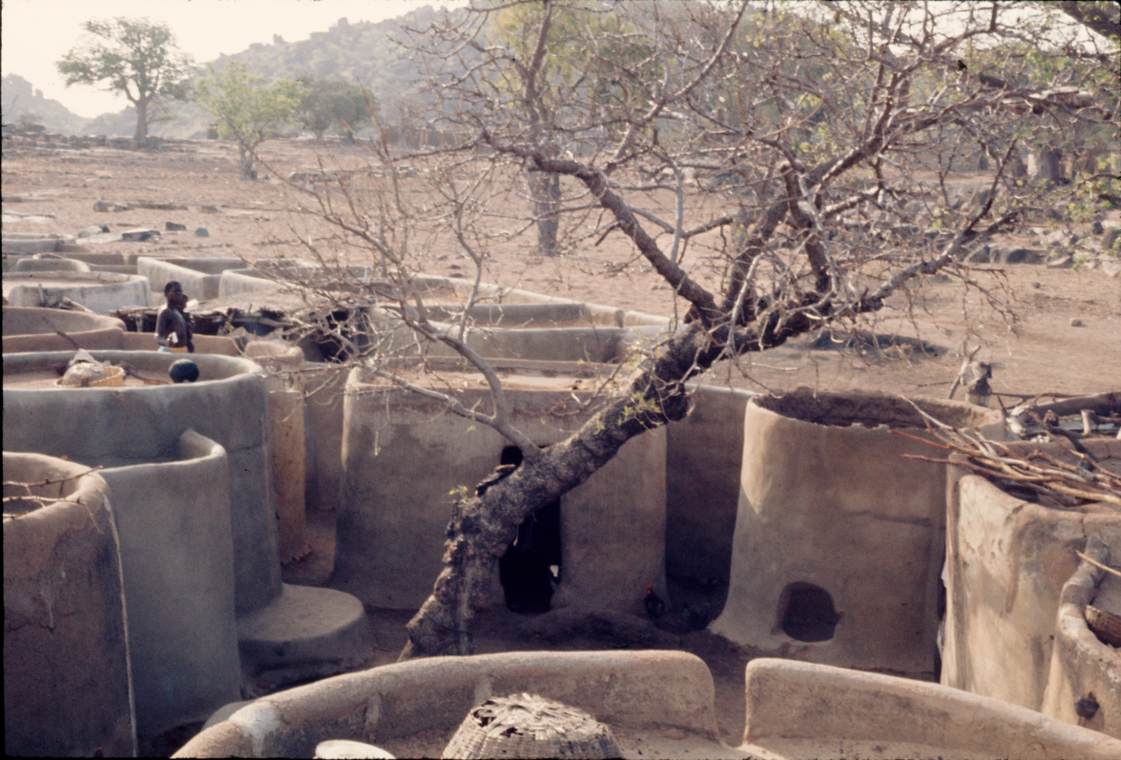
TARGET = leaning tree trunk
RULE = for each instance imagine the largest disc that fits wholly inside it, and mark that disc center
(544, 188)
(483, 526)
(140, 136)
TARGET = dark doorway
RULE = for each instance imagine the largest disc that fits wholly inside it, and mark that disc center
(531, 567)
(807, 612)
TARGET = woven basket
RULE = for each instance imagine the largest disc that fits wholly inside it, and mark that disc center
(526, 725)
(1104, 624)
(109, 377)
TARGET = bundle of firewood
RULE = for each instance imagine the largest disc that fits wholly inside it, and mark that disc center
(1063, 471)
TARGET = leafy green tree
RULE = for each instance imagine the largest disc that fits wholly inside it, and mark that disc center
(132, 56)
(334, 104)
(247, 108)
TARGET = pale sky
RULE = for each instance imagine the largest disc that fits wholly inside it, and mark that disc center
(36, 33)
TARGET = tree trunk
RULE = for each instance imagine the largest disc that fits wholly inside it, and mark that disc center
(544, 188)
(245, 159)
(1016, 166)
(1047, 165)
(483, 526)
(140, 136)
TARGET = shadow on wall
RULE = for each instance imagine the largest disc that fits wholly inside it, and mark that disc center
(531, 567)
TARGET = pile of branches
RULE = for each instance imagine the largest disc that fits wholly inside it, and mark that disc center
(1066, 474)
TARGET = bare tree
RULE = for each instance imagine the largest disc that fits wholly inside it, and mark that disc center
(805, 152)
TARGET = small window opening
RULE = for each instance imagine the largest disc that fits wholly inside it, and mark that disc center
(807, 612)
(531, 567)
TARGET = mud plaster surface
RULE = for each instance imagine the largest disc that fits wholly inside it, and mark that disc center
(499, 630)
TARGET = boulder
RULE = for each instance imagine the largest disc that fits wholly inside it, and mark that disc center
(174, 227)
(140, 234)
(95, 229)
(104, 206)
(998, 255)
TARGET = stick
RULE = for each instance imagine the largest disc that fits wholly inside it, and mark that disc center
(66, 302)
(66, 337)
(1099, 565)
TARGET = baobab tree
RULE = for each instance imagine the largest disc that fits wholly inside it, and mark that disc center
(804, 150)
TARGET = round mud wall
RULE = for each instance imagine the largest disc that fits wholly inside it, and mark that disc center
(704, 453)
(101, 292)
(132, 425)
(405, 457)
(67, 685)
(288, 453)
(1006, 562)
(52, 264)
(1082, 665)
(173, 518)
(34, 329)
(839, 539)
(393, 703)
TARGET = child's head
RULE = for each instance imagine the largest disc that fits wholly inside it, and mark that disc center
(183, 371)
(173, 292)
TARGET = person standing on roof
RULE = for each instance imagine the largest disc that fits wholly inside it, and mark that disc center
(173, 329)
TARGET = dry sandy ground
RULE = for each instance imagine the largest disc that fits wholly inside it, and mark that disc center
(502, 631)
(1037, 352)
(1034, 348)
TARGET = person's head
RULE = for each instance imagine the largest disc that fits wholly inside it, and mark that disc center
(183, 371)
(173, 292)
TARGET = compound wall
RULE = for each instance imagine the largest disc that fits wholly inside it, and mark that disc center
(132, 425)
(67, 681)
(837, 532)
(704, 453)
(34, 329)
(101, 292)
(1083, 667)
(799, 710)
(177, 552)
(200, 276)
(1006, 562)
(405, 457)
(622, 689)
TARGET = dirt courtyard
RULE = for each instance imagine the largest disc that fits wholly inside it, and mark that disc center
(1061, 332)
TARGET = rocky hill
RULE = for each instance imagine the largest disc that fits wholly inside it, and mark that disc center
(21, 102)
(363, 53)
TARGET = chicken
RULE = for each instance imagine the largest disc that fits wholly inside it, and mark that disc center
(655, 607)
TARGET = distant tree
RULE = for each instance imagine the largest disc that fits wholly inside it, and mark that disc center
(247, 108)
(136, 57)
(334, 104)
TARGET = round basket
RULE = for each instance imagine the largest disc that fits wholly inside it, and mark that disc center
(114, 377)
(111, 377)
(1105, 624)
(527, 725)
